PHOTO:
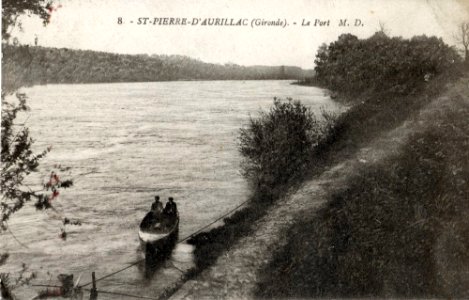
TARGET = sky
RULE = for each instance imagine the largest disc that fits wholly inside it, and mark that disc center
(93, 25)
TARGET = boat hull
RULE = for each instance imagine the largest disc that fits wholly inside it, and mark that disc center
(160, 246)
(158, 243)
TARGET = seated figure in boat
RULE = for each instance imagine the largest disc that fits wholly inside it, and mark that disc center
(157, 208)
(170, 209)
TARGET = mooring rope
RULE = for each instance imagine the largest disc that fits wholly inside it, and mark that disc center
(179, 241)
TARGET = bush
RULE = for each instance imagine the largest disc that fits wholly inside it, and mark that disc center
(382, 64)
(278, 145)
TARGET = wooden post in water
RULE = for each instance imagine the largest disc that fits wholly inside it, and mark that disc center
(94, 291)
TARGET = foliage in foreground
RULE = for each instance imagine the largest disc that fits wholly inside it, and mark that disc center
(17, 157)
(11, 9)
(18, 161)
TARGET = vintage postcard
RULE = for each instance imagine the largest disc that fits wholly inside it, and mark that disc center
(246, 149)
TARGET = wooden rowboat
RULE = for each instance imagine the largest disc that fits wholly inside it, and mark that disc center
(158, 234)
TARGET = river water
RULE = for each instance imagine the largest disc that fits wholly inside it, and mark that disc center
(122, 144)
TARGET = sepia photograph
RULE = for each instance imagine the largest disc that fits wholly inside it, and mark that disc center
(249, 149)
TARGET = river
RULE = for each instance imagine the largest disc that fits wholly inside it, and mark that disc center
(123, 143)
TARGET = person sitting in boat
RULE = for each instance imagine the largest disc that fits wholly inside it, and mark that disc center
(157, 206)
(170, 208)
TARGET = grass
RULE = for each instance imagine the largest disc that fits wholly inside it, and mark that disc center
(210, 245)
(398, 228)
(318, 259)
(372, 114)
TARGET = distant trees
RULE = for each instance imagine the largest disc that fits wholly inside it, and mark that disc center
(38, 65)
(380, 63)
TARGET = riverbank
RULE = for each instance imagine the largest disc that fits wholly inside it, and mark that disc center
(262, 262)
(395, 226)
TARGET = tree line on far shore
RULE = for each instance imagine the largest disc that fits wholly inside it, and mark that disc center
(41, 65)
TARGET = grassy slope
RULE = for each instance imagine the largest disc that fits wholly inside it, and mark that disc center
(397, 226)
(366, 136)
(363, 123)
(252, 238)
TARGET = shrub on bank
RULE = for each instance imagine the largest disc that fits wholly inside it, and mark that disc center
(279, 144)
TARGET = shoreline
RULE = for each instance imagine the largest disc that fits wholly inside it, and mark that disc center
(10, 90)
(338, 165)
(45, 65)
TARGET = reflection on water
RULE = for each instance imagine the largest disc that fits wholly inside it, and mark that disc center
(157, 254)
(183, 253)
(179, 256)
(125, 143)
